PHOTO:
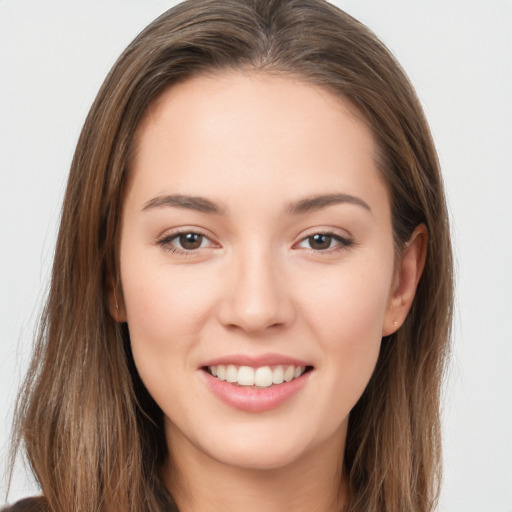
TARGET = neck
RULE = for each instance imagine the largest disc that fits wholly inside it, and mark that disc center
(312, 483)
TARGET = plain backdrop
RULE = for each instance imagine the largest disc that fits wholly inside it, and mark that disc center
(458, 53)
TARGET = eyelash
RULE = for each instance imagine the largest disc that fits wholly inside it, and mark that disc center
(342, 242)
(165, 242)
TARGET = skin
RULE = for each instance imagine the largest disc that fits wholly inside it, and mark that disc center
(253, 144)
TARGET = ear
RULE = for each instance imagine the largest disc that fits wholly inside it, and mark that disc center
(407, 275)
(116, 304)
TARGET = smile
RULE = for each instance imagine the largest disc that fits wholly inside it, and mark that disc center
(261, 377)
(253, 386)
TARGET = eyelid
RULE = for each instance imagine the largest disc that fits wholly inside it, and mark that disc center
(165, 240)
(344, 241)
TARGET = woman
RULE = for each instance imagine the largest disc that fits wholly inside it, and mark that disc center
(251, 297)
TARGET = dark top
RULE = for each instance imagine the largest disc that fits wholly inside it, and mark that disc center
(39, 503)
(28, 505)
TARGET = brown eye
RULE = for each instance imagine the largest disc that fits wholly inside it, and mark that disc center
(190, 241)
(186, 243)
(325, 242)
(320, 241)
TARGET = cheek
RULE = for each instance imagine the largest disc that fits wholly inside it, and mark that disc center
(346, 315)
(347, 306)
(165, 315)
(166, 310)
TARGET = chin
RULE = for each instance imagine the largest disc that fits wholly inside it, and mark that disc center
(261, 446)
(258, 458)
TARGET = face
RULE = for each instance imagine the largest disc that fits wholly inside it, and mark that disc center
(257, 265)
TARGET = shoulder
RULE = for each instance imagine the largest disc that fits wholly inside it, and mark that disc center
(28, 505)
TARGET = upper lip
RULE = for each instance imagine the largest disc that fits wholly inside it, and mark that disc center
(256, 361)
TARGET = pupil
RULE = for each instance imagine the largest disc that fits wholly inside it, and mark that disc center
(191, 241)
(320, 241)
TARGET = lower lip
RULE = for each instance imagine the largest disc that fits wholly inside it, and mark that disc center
(252, 399)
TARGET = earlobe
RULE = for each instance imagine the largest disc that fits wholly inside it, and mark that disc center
(407, 275)
(116, 304)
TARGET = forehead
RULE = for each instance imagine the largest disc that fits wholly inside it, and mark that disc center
(252, 130)
(247, 97)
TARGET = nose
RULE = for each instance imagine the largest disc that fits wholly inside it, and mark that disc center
(256, 297)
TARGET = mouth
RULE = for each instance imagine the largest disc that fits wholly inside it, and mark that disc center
(260, 377)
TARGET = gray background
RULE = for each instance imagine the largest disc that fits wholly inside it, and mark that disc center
(458, 53)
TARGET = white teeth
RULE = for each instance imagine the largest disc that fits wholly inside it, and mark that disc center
(246, 376)
(231, 373)
(278, 375)
(221, 372)
(261, 377)
(288, 374)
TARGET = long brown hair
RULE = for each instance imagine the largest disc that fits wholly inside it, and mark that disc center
(92, 434)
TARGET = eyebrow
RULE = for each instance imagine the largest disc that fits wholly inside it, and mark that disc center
(199, 204)
(203, 205)
(318, 202)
